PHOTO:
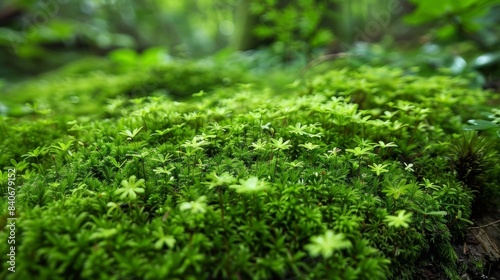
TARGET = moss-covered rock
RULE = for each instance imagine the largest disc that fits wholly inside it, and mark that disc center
(343, 176)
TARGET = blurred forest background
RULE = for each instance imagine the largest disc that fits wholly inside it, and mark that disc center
(457, 36)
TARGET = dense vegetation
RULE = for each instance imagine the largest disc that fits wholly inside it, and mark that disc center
(359, 174)
(309, 156)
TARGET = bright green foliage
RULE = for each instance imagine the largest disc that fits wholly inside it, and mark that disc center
(379, 168)
(216, 181)
(401, 220)
(250, 185)
(163, 239)
(309, 146)
(131, 134)
(456, 18)
(82, 89)
(358, 151)
(198, 206)
(295, 26)
(327, 243)
(346, 175)
(130, 188)
(474, 157)
(279, 145)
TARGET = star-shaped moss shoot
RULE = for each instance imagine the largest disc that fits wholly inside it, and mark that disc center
(401, 220)
(327, 243)
(250, 185)
(130, 188)
(198, 206)
(280, 145)
(219, 180)
(309, 146)
(163, 239)
(379, 168)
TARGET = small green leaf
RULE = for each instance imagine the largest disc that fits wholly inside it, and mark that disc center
(130, 188)
(437, 213)
(252, 184)
(480, 125)
(198, 206)
(401, 220)
(327, 243)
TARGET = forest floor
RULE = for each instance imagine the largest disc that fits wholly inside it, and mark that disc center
(479, 252)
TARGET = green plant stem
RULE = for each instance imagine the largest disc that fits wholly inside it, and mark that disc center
(55, 165)
(221, 205)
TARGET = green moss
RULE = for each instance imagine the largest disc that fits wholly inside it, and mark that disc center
(82, 90)
(345, 176)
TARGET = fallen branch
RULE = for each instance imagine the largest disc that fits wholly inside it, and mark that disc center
(487, 225)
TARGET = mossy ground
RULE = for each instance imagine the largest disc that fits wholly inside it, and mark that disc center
(123, 173)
